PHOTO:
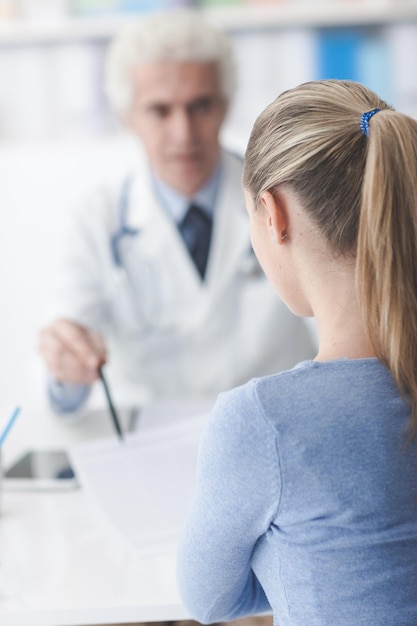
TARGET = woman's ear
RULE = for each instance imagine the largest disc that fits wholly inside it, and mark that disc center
(277, 215)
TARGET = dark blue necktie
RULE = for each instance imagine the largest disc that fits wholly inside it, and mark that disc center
(196, 229)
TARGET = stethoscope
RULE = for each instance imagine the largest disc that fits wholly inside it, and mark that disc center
(123, 229)
(145, 311)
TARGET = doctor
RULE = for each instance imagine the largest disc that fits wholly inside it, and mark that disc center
(132, 294)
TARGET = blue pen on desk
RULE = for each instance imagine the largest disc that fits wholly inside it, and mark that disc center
(112, 410)
(9, 424)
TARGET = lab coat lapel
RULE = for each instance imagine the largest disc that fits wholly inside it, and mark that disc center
(188, 300)
(184, 299)
(231, 243)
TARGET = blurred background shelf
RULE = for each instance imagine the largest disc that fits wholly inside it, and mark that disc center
(313, 14)
(34, 30)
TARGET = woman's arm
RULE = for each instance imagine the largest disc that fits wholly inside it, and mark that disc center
(237, 494)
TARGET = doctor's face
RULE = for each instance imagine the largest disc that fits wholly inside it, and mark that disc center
(177, 112)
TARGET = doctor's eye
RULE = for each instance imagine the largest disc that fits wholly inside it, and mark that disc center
(202, 106)
(159, 110)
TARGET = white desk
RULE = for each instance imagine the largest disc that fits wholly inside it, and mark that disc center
(61, 564)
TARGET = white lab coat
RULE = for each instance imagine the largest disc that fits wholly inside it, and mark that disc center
(168, 333)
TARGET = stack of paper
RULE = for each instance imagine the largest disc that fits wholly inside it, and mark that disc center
(144, 484)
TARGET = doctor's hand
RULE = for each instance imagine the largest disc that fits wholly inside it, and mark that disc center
(72, 353)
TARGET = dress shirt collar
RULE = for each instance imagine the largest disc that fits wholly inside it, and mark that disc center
(177, 205)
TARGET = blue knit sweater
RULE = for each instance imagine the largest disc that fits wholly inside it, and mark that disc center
(306, 502)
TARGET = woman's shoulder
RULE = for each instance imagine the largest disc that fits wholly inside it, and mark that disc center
(307, 387)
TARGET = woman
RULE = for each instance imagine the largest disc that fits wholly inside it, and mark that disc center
(306, 498)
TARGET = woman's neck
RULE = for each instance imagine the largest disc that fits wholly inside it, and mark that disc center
(339, 321)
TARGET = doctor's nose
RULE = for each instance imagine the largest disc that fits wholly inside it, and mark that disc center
(183, 127)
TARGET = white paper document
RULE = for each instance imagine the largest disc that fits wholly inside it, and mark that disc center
(144, 484)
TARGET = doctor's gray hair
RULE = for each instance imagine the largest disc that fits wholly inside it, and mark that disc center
(177, 35)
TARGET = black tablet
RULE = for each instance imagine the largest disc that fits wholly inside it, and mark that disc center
(40, 469)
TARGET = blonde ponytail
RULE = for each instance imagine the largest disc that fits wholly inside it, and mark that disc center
(387, 248)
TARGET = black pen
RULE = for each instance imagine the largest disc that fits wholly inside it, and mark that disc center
(112, 410)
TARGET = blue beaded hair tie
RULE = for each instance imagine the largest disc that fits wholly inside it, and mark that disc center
(365, 121)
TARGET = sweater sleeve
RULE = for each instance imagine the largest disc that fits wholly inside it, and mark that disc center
(237, 495)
